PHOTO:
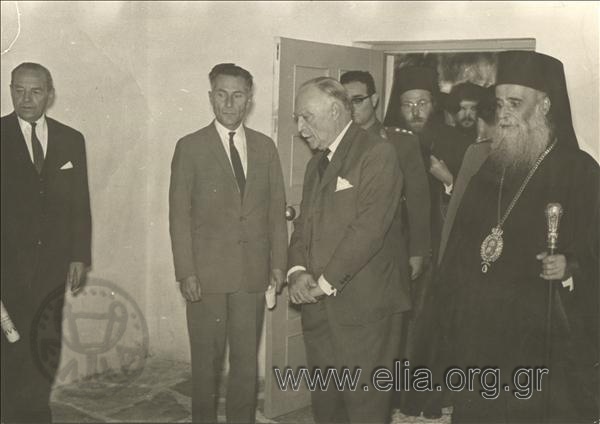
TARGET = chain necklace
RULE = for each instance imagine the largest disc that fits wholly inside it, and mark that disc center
(492, 245)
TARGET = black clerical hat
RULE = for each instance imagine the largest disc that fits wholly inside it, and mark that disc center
(415, 77)
(463, 91)
(523, 68)
(409, 78)
(544, 73)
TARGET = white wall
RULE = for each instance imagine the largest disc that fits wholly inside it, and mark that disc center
(133, 78)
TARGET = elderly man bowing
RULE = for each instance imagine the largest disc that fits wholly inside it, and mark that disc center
(344, 267)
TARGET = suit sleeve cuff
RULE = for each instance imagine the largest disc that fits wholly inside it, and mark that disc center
(568, 283)
(326, 287)
(448, 188)
(294, 269)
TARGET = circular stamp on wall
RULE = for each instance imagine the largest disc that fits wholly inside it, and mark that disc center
(102, 331)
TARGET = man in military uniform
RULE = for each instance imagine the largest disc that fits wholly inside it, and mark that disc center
(415, 202)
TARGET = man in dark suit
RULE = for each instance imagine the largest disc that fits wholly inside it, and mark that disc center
(415, 200)
(343, 253)
(229, 240)
(46, 231)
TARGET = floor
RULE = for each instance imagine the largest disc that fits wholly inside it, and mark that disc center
(161, 394)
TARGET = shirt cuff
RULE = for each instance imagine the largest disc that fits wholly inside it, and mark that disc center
(569, 283)
(449, 188)
(294, 269)
(326, 287)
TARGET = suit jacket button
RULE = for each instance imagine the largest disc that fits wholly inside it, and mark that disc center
(39, 242)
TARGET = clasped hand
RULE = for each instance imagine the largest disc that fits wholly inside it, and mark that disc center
(554, 267)
(303, 288)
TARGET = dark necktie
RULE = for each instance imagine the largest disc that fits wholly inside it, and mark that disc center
(323, 163)
(238, 170)
(36, 148)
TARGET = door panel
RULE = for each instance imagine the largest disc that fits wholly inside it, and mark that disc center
(297, 61)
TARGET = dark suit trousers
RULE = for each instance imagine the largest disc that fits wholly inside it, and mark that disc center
(236, 317)
(25, 388)
(367, 347)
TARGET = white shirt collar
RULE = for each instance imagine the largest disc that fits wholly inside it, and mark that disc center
(224, 131)
(333, 146)
(41, 130)
(239, 141)
(40, 123)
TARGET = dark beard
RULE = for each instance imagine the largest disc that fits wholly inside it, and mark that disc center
(470, 132)
(517, 148)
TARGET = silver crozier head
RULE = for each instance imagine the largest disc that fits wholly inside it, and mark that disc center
(554, 212)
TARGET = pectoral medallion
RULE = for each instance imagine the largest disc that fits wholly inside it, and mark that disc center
(491, 248)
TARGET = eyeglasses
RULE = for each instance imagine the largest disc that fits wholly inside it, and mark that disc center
(420, 105)
(356, 100)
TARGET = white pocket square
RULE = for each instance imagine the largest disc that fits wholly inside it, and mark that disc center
(342, 184)
(67, 165)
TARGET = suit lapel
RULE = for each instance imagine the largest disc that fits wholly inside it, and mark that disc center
(217, 148)
(53, 149)
(19, 144)
(253, 160)
(338, 157)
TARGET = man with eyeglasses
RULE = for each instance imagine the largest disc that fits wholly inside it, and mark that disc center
(415, 200)
(412, 107)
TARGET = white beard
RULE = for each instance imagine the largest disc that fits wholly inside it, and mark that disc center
(517, 147)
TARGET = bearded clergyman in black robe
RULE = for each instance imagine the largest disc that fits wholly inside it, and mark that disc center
(495, 280)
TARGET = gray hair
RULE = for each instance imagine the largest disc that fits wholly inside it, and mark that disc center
(331, 88)
(34, 67)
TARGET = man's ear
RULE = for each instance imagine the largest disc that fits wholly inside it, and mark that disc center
(249, 104)
(335, 110)
(374, 100)
(546, 105)
(51, 98)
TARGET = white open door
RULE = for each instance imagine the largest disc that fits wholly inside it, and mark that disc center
(297, 61)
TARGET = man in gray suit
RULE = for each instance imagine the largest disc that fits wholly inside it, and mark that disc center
(344, 253)
(229, 240)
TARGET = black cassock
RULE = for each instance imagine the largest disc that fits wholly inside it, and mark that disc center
(498, 319)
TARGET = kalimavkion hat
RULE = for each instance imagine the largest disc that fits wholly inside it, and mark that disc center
(409, 78)
(416, 77)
